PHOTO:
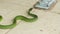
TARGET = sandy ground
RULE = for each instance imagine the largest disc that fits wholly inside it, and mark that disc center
(48, 22)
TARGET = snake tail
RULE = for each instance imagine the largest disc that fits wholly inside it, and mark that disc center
(19, 17)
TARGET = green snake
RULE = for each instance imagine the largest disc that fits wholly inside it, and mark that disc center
(19, 17)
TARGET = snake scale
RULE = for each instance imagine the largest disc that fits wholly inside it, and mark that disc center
(19, 17)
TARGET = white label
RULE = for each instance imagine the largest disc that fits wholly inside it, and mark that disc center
(45, 4)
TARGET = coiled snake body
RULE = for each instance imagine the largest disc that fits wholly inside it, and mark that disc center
(19, 18)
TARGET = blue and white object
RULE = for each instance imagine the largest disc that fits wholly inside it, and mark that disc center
(45, 4)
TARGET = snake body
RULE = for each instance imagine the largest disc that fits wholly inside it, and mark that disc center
(19, 17)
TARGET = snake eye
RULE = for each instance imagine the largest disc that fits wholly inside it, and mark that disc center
(45, 4)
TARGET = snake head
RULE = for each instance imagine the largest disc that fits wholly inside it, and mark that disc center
(1, 18)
